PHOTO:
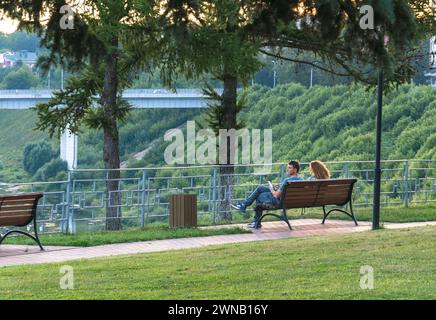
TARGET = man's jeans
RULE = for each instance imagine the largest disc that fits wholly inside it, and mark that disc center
(261, 194)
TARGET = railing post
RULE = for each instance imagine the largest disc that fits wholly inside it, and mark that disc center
(346, 176)
(282, 172)
(65, 222)
(144, 177)
(71, 229)
(214, 197)
(406, 187)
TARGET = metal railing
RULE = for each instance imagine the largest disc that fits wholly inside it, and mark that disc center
(79, 203)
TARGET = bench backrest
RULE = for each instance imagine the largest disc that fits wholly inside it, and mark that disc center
(317, 193)
(18, 209)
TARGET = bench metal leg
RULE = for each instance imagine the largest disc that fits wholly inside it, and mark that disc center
(23, 233)
(34, 238)
(351, 215)
(283, 217)
(35, 229)
(325, 215)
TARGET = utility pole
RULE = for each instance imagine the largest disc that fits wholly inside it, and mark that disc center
(311, 77)
(274, 73)
(62, 77)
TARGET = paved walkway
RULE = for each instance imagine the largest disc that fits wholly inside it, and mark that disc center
(21, 254)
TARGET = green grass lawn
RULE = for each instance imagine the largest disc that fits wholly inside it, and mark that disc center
(400, 214)
(150, 232)
(404, 264)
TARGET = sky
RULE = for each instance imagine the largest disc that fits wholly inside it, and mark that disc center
(7, 25)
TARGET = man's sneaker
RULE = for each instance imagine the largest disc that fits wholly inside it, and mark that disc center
(240, 207)
(253, 225)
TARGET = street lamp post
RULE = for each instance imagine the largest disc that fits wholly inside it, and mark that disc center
(48, 81)
(377, 171)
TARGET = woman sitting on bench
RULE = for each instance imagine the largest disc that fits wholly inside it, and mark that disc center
(318, 170)
(268, 195)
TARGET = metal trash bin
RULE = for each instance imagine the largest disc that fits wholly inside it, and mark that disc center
(183, 210)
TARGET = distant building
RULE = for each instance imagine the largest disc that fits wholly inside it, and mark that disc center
(11, 58)
(4, 61)
(432, 74)
(432, 53)
(432, 78)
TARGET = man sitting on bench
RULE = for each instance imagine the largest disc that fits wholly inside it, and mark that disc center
(268, 195)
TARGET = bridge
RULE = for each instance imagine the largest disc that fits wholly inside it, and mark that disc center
(138, 98)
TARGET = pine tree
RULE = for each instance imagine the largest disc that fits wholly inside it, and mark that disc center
(100, 50)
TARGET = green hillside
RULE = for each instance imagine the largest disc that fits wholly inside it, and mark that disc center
(142, 127)
(326, 123)
(338, 123)
(16, 130)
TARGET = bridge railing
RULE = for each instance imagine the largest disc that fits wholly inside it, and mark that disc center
(79, 203)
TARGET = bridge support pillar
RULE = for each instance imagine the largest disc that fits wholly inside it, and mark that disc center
(69, 148)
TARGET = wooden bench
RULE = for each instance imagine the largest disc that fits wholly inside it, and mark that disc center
(309, 194)
(19, 210)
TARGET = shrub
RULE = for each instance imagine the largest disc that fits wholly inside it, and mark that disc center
(36, 155)
(51, 170)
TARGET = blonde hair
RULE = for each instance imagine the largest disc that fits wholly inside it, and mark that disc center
(319, 170)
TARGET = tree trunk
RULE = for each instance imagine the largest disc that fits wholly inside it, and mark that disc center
(227, 170)
(111, 154)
